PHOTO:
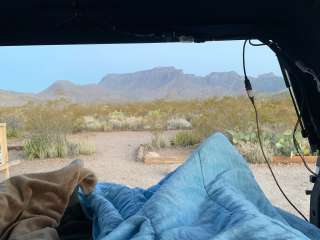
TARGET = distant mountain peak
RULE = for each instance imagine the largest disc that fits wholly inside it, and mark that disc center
(162, 82)
(164, 68)
(268, 75)
(159, 69)
(58, 89)
(62, 83)
(228, 73)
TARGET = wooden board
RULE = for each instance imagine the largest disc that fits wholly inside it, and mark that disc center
(164, 159)
(4, 162)
(293, 159)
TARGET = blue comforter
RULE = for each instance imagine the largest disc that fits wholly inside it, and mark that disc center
(213, 195)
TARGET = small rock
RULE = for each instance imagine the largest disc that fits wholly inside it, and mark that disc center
(140, 153)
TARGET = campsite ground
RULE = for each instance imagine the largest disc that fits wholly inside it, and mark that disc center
(114, 161)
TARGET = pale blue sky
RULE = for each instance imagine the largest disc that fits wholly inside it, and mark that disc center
(33, 68)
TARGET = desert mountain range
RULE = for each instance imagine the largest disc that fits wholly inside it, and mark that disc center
(156, 83)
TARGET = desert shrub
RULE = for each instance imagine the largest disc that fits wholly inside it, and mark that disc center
(205, 116)
(73, 149)
(274, 143)
(156, 123)
(92, 123)
(118, 120)
(248, 146)
(117, 124)
(156, 119)
(135, 123)
(36, 147)
(48, 119)
(283, 144)
(185, 139)
(48, 127)
(44, 146)
(178, 123)
(239, 136)
(113, 124)
(79, 125)
(157, 140)
(117, 115)
(14, 123)
(252, 152)
(13, 132)
(86, 148)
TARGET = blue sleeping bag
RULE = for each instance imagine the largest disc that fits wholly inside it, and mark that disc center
(213, 195)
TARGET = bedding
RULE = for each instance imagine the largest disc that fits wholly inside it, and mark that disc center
(32, 205)
(213, 195)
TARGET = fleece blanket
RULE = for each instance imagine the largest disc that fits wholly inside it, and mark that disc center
(213, 195)
(31, 205)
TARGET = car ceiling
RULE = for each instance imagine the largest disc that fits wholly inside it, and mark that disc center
(118, 21)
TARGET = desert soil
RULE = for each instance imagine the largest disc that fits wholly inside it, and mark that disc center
(114, 161)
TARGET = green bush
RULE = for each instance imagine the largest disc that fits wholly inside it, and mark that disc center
(44, 146)
(205, 116)
(284, 144)
(86, 148)
(48, 127)
(185, 139)
(73, 149)
(252, 152)
(156, 120)
(277, 143)
(48, 119)
(14, 124)
(13, 132)
(157, 141)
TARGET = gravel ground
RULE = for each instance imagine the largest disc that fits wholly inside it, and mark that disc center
(114, 161)
(294, 180)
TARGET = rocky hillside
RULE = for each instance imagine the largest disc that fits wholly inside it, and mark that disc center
(9, 98)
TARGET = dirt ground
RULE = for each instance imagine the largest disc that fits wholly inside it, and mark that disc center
(114, 161)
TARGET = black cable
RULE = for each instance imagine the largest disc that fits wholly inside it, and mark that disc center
(295, 105)
(298, 149)
(247, 82)
(244, 58)
(251, 97)
(269, 165)
(299, 120)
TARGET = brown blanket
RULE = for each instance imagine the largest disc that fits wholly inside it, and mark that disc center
(32, 205)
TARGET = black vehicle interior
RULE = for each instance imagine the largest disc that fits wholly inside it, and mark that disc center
(289, 27)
